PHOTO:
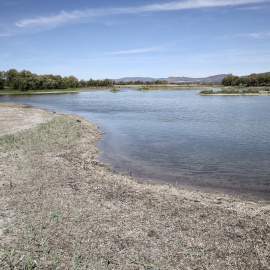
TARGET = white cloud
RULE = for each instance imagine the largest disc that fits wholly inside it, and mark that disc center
(255, 35)
(78, 15)
(136, 51)
(194, 4)
(52, 21)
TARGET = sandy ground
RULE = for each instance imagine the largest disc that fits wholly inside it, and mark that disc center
(14, 119)
(63, 209)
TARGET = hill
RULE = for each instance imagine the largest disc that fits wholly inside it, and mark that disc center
(215, 78)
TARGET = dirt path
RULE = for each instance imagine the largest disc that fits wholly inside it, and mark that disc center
(62, 209)
(17, 117)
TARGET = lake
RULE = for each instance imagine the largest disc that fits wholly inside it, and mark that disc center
(217, 143)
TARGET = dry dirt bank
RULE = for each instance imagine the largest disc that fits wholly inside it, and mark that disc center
(62, 209)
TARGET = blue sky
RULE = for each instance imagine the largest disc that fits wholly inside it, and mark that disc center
(121, 38)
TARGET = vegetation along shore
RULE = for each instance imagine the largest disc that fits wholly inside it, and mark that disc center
(26, 82)
(237, 91)
(63, 209)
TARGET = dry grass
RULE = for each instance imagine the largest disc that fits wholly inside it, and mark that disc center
(62, 209)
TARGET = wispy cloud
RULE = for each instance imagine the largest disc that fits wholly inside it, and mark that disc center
(195, 4)
(4, 55)
(258, 35)
(65, 17)
(6, 34)
(233, 56)
(136, 51)
(54, 20)
(15, 2)
(250, 8)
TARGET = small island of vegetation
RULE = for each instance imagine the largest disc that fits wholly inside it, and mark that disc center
(254, 84)
(230, 91)
(115, 90)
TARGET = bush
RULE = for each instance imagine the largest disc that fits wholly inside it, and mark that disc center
(207, 92)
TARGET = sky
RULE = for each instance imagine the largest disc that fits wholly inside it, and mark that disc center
(143, 38)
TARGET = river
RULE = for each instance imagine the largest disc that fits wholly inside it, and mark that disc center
(217, 143)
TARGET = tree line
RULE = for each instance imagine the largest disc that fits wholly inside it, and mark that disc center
(251, 80)
(25, 80)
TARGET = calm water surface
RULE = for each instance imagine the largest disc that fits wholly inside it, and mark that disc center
(210, 142)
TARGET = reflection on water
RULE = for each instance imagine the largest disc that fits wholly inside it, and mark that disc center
(217, 142)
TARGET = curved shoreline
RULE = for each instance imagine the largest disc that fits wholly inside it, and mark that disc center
(55, 194)
(261, 93)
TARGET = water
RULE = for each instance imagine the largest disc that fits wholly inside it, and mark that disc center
(208, 142)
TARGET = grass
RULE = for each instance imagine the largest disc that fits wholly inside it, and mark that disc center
(8, 91)
(20, 92)
(61, 209)
(231, 91)
(33, 226)
(115, 90)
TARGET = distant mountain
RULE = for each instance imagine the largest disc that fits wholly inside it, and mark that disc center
(211, 79)
(215, 78)
(143, 79)
(256, 73)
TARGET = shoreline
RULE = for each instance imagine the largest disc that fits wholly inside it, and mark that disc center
(199, 188)
(108, 89)
(62, 207)
(249, 94)
(261, 93)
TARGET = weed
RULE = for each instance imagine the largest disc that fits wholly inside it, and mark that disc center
(42, 243)
(11, 185)
(55, 260)
(55, 215)
(29, 264)
(135, 260)
(11, 258)
(78, 259)
(191, 253)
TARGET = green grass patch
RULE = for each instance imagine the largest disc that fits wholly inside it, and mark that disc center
(47, 135)
(8, 91)
(231, 91)
(115, 90)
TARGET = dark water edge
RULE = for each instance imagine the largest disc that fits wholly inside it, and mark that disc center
(207, 143)
(220, 183)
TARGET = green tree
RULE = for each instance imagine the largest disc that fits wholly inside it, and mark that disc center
(91, 83)
(230, 80)
(58, 82)
(252, 80)
(19, 83)
(71, 82)
(122, 83)
(11, 75)
(107, 82)
(138, 82)
(2, 80)
(82, 83)
(32, 81)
